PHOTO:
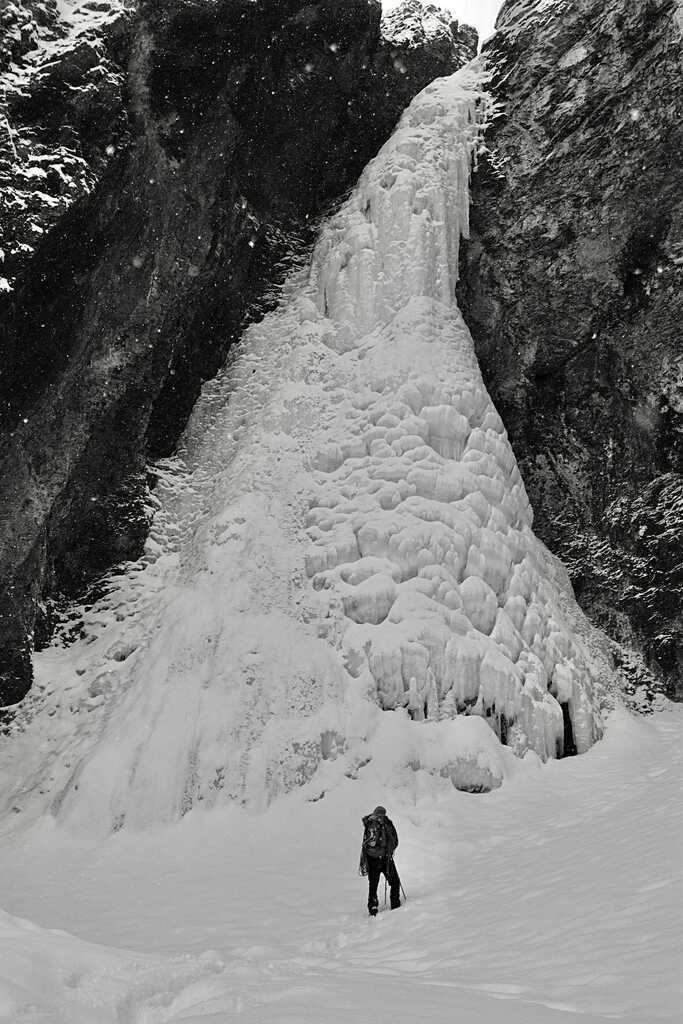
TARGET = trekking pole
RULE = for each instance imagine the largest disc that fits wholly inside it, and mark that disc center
(399, 882)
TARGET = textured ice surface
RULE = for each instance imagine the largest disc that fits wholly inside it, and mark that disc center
(346, 531)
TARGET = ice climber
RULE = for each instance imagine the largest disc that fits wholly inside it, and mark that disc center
(380, 839)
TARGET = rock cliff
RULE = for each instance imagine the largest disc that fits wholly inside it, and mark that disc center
(571, 286)
(170, 158)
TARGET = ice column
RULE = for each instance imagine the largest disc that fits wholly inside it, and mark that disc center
(422, 534)
(345, 520)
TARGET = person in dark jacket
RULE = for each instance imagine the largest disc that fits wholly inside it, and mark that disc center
(380, 840)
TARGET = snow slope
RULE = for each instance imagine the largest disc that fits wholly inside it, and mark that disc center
(556, 898)
(345, 530)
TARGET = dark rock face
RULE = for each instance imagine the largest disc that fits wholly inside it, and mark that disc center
(212, 134)
(572, 287)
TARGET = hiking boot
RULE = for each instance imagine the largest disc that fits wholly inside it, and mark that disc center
(372, 911)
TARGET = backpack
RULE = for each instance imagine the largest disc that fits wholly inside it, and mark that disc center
(375, 839)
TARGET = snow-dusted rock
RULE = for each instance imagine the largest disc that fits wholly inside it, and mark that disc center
(414, 28)
(62, 116)
(572, 286)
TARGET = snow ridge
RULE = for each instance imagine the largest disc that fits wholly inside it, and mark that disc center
(348, 533)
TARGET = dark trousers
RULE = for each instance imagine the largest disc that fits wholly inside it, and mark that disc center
(383, 866)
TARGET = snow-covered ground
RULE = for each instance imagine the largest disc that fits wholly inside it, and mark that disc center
(556, 898)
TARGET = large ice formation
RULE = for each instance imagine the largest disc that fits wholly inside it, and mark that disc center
(346, 530)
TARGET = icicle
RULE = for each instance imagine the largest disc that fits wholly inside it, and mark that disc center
(398, 236)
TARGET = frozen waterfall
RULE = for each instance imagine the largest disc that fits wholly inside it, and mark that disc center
(344, 532)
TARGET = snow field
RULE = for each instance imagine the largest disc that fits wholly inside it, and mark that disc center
(556, 898)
